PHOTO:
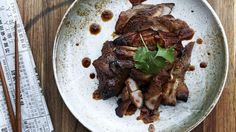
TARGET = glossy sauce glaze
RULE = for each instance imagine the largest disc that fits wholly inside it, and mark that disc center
(203, 64)
(151, 128)
(97, 95)
(95, 29)
(107, 15)
(191, 68)
(86, 62)
(92, 75)
(199, 41)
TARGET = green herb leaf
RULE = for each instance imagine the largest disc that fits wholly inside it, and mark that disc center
(167, 54)
(151, 62)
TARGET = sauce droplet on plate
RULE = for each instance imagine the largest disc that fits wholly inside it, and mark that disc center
(203, 64)
(95, 29)
(107, 15)
(151, 128)
(92, 75)
(191, 68)
(86, 62)
(199, 41)
(97, 95)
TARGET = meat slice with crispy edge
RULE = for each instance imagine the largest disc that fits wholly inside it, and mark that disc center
(176, 87)
(111, 72)
(130, 94)
(165, 30)
(139, 11)
(153, 96)
(136, 2)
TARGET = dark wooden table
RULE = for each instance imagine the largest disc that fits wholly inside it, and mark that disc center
(41, 19)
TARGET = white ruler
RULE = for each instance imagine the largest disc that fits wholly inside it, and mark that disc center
(35, 115)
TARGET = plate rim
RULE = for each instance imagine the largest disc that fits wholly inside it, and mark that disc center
(207, 112)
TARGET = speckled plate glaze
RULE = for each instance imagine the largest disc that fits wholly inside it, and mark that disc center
(76, 87)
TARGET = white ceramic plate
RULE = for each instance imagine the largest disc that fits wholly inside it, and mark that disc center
(76, 87)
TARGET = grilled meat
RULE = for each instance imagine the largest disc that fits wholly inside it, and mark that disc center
(136, 2)
(176, 88)
(116, 70)
(111, 72)
(138, 13)
(165, 30)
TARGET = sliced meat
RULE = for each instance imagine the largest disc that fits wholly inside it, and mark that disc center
(136, 2)
(125, 94)
(137, 98)
(140, 77)
(169, 92)
(122, 108)
(131, 15)
(153, 96)
(131, 85)
(118, 65)
(176, 88)
(135, 93)
(111, 79)
(182, 92)
(131, 110)
(133, 39)
(165, 30)
(125, 52)
(148, 116)
(130, 94)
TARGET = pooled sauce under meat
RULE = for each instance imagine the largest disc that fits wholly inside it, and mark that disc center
(106, 15)
(95, 29)
(92, 75)
(151, 128)
(86, 62)
(199, 41)
(191, 68)
(203, 64)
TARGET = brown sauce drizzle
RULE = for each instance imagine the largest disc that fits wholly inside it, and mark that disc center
(86, 62)
(199, 41)
(95, 29)
(151, 128)
(97, 95)
(191, 68)
(203, 64)
(107, 15)
(92, 75)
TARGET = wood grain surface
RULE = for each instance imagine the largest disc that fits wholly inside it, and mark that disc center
(41, 19)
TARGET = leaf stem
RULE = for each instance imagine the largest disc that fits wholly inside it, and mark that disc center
(143, 41)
